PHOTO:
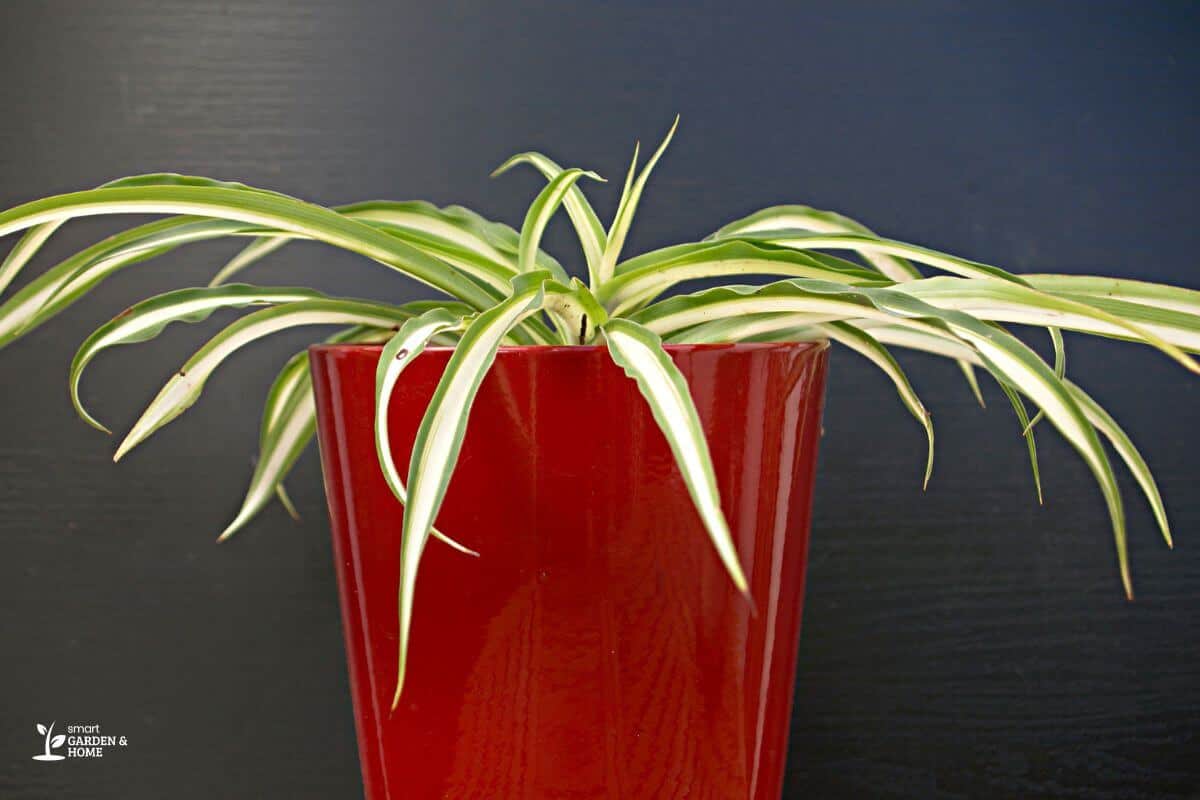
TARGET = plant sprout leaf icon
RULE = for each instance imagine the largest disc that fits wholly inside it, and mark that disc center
(41, 729)
(58, 740)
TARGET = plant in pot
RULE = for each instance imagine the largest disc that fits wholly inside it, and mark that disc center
(619, 475)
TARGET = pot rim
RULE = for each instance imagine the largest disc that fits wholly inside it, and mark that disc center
(819, 344)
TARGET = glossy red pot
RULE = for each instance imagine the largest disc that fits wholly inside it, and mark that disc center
(596, 648)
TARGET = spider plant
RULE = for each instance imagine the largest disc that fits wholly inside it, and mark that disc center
(500, 288)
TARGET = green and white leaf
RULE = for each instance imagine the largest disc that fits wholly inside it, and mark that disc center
(468, 241)
(287, 428)
(782, 218)
(63, 284)
(539, 214)
(779, 327)
(592, 238)
(24, 250)
(294, 427)
(147, 319)
(184, 387)
(566, 311)
(32, 241)
(1128, 453)
(289, 425)
(627, 208)
(1006, 358)
(641, 280)
(867, 346)
(1154, 295)
(409, 342)
(1096, 414)
(254, 208)
(1013, 363)
(798, 217)
(502, 281)
(1018, 406)
(870, 246)
(1010, 302)
(249, 255)
(440, 435)
(640, 353)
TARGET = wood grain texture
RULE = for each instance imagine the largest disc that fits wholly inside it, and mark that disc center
(958, 644)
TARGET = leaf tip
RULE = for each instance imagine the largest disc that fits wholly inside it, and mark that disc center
(399, 688)
(750, 602)
(506, 166)
(127, 444)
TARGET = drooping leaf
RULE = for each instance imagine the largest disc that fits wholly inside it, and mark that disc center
(640, 353)
(1012, 303)
(295, 429)
(868, 245)
(781, 327)
(968, 372)
(36, 237)
(24, 250)
(145, 320)
(459, 226)
(1014, 364)
(184, 387)
(1155, 296)
(62, 285)
(1095, 413)
(255, 208)
(478, 247)
(288, 426)
(641, 280)
(1178, 327)
(440, 435)
(1018, 406)
(1009, 360)
(798, 217)
(867, 346)
(251, 254)
(409, 342)
(1128, 453)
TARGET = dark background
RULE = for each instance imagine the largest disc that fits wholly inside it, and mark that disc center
(961, 643)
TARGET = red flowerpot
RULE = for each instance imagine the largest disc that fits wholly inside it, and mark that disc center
(596, 648)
